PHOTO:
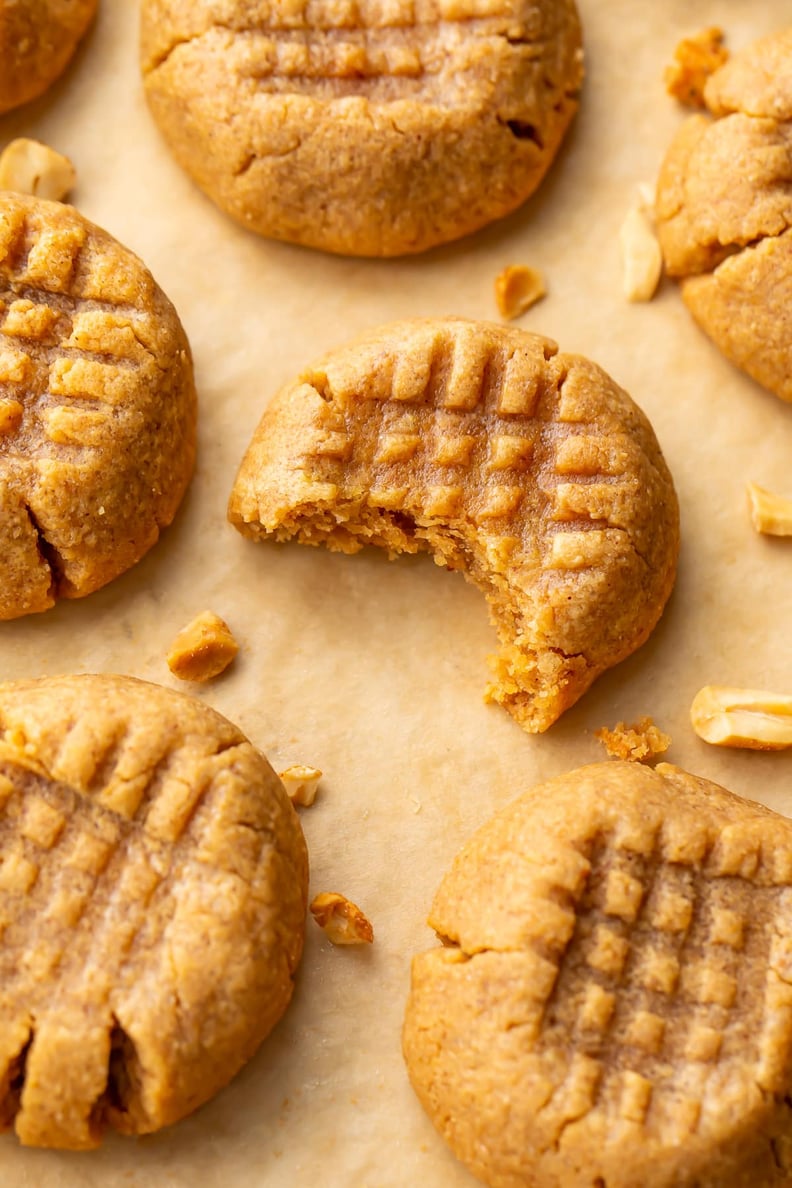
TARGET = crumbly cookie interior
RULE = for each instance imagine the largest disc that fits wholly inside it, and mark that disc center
(528, 471)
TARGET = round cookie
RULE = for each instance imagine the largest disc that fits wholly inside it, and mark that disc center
(724, 215)
(365, 127)
(153, 885)
(612, 1004)
(97, 407)
(529, 471)
(37, 40)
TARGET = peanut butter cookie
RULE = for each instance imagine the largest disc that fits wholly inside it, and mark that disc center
(529, 471)
(613, 1001)
(37, 40)
(725, 215)
(366, 127)
(153, 883)
(97, 407)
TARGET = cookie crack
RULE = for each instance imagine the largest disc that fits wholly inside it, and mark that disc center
(49, 554)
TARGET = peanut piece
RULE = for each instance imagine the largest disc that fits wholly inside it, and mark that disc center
(770, 514)
(301, 783)
(30, 167)
(517, 288)
(642, 257)
(695, 59)
(203, 649)
(341, 920)
(747, 718)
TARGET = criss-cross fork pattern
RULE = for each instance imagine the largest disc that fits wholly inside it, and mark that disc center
(669, 976)
(71, 332)
(469, 428)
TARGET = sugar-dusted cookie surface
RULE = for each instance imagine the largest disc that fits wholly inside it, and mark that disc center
(725, 216)
(97, 406)
(366, 127)
(529, 471)
(37, 40)
(153, 884)
(613, 1001)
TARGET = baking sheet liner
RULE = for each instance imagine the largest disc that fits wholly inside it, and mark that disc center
(374, 671)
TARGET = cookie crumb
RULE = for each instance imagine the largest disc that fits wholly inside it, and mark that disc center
(517, 288)
(750, 719)
(11, 412)
(642, 256)
(301, 783)
(203, 649)
(30, 167)
(695, 59)
(770, 514)
(638, 743)
(341, 920)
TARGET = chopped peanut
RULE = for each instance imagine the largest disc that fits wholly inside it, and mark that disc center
(747, 718)
(642, 256)
(30, 167)
(301, 783)
(203, 649)
(342, 921)
(695, 59)
(517, 288)
(642, 740)
(770, 514)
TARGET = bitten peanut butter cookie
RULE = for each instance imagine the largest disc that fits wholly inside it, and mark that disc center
(366, 127)
(37, 40)
(725, 216)
(529, 471)
(97, 407)
(613, 1001)
(153, 885)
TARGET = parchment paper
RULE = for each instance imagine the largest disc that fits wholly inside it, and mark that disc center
(374, 671)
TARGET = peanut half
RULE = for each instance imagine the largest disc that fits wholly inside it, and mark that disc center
(642, 257)
(748, 718)
(29, 167)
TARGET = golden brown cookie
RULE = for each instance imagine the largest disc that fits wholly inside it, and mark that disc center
(37, 40)
(613, 1001)
(531, 472)
(97, 407)
(724, 213)
(153, 884)
(366, 127)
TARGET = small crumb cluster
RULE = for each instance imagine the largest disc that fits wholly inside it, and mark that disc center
(695, 59)
(342, 921)
(751, 719)
(203, 649)
(639, 742)
(30, 167)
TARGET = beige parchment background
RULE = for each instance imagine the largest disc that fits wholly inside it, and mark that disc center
(374, 671)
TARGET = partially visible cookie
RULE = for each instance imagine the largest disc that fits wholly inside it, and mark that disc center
(37, 40)
(529, 471)
(97, 406)
(724, 213)
(153, 886)
(363, 127)
(612, 1004)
